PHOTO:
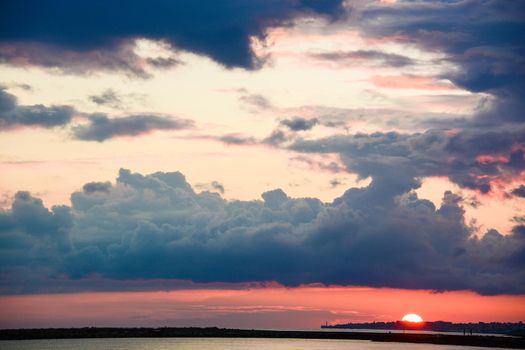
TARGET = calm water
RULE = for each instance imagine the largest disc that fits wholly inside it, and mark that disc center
(216, 344)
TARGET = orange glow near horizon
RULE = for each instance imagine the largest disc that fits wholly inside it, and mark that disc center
(277, 307)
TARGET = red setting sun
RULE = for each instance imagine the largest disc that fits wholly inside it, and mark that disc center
(412, 318)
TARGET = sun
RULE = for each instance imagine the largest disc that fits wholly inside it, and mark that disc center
(413, 318)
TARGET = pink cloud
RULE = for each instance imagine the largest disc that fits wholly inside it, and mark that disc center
(487, 158)
(415, 82)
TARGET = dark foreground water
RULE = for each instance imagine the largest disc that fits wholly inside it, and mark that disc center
(216, 344)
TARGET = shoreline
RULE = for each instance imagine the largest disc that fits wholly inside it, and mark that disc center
(214, 332)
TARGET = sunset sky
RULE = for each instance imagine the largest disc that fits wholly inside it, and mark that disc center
(261, 163)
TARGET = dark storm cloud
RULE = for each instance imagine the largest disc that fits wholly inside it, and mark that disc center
(12, 114)
(471, 158)
(352, 57)
(221, 30)
(156, 227)
(519, 191)
(299, 123)
(484, 39)
(8, 102)
(31, 229)
(520, 230)
(101, 128)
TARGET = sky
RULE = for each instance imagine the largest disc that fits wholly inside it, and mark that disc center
(263, 163)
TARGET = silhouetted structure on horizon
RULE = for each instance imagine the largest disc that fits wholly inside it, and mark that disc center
(510, 328)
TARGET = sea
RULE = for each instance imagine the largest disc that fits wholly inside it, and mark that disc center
(217, 344)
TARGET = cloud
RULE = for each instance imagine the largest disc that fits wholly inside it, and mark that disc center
(358, 56)
(336, 183)
(120, 58)
(410, 82)
(276, 138)
(236, 139)
(31, 229)
(101, 128)
(20, 86)
(299, 123)
(12, 114)
(486, 50)
(155, 227)
(259, 102)
(519, 191)
(319, 165)
(221, 30)
(213, 186)
(109, 98)
(163, 62)
(470, 158)
(93, 187)
(217, 186)
(386, 118)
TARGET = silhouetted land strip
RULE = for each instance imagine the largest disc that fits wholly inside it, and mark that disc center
(213, 332)
(509, 328)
